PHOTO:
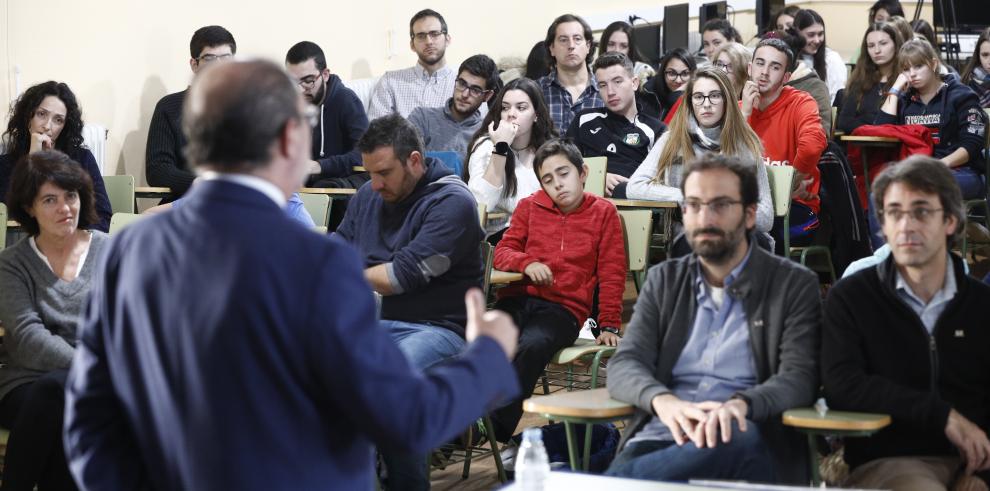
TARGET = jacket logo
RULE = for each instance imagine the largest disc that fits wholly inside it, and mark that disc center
(596, 130)
(610, 148)
(959, 333)
(632, 139)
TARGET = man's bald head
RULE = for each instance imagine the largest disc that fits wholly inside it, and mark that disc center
(235, 112)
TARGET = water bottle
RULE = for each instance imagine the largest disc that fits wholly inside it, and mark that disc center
(532, 465)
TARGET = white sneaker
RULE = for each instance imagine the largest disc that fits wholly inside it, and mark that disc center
(586, 329)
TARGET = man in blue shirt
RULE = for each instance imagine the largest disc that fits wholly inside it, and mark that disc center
(570, 86)
(737, 332)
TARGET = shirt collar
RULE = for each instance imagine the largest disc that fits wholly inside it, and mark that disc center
(947, 291)
(424, 74)
(253, 182)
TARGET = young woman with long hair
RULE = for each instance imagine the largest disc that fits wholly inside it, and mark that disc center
(871, 79)
(817, 55)
(977, 72)
(618, 38)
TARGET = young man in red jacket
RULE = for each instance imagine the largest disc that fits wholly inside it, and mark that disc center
(566, 242)
(787, 122)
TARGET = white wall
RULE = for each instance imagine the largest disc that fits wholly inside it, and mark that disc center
(121, 56)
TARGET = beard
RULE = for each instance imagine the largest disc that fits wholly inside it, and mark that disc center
(429, 60)
(717, 251)
(318, 95)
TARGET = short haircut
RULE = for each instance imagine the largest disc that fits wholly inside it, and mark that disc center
(749, 189)
(422, 14)
(927, 175)
(557, 146)
(613, 58)
(779, 45)
(208, 37)
(589, 36)
(306, 50)
(484, 67)
(918, 52)
(35, 169)
(723, 26)
(391, 131)
(235, 112)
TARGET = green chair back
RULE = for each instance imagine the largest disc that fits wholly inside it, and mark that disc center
(318, 207)
(120, 220)
(482, 214)
(781, 179)
(636, 226)
(595, 184)
(120, 190)
(3, 226)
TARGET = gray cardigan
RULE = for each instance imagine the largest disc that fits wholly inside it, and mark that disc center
(40, 312)
(783, 309)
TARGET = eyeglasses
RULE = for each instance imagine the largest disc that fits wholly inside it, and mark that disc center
(212, 58)
(699, 99)
(718, 206)
(461, 85)
(433, 35)
(919, 214)
(309, 81)
(725, 67)
(672, 75)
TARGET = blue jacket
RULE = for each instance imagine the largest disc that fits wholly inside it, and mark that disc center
(432, 238)
(228, 347)
(88, 163)
(342, 123)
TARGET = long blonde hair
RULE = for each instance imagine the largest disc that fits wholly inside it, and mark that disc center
(736, 136)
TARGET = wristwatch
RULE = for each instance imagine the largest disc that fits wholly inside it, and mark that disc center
(501, 148)
(611, 330)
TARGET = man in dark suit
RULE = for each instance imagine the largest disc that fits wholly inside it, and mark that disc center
(227, 347)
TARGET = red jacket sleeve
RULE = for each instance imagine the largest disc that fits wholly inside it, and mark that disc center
(810, 137)
(510, 254)
(611, 269)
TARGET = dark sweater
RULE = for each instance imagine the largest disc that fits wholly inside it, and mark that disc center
(599, 132)
(342, 122)
(164, 161)
(432, 239)
(878, 357)
(88, 162)
(862, 111)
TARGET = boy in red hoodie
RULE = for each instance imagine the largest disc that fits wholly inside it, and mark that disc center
(565, 242)
(787, 122)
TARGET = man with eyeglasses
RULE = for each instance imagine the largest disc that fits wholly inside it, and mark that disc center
(449, 128)
(787, 121)
(165, 163)
(428, 83)
(908, 337)
(619, 130)
(341, 120)
(721, 343)
(570, 86)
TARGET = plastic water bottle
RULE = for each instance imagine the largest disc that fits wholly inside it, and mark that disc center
(532, 465)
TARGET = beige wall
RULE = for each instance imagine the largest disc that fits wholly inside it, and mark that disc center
(121, 56)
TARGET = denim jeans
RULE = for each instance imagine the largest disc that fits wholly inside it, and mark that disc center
(424, 346)
(745, 457)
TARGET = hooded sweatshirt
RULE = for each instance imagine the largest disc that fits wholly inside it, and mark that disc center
(430, 241)
(342, 123)
(791, 131)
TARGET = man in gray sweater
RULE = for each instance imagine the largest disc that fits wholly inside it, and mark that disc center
(449, 128)
(721, 343)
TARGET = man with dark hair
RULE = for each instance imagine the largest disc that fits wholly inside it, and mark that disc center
(248, 358)
(342, 118)
(165, 163)
(908, 338)
(451, 126)
(618, 130)
(428, 83)
(570, 86)
(721, 342)
(416, 228)
(787, 121)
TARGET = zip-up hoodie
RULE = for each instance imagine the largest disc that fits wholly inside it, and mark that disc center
(342, 123)
(582, 248)
(791, 132)
(878, 357)
(954, 114)
(431, 242)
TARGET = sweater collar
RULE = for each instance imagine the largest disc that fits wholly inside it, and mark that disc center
(542, 199)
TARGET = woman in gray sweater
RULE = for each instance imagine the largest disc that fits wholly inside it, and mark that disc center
(45, 280)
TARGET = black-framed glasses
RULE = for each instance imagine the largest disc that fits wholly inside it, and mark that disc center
(672, 75)
(725, 67)
(212, 58)
(432, 35)
(461, 85)
(717, 206)
(920, 214)
(715, 98)
(309, 81)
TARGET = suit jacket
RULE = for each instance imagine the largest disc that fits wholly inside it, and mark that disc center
(228, 347)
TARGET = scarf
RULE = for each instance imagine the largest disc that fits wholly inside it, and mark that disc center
(980, 82)
(707, 139)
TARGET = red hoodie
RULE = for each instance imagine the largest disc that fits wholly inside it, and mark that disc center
(583, 248)
(791, 132)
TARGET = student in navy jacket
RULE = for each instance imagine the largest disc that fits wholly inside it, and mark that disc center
(228, 347)
(920, 95)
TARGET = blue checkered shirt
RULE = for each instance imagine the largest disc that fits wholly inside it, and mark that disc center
(558, 99)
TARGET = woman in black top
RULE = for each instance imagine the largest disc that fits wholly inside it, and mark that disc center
(871, 78)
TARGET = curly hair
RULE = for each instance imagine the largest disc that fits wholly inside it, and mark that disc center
(18, 132)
